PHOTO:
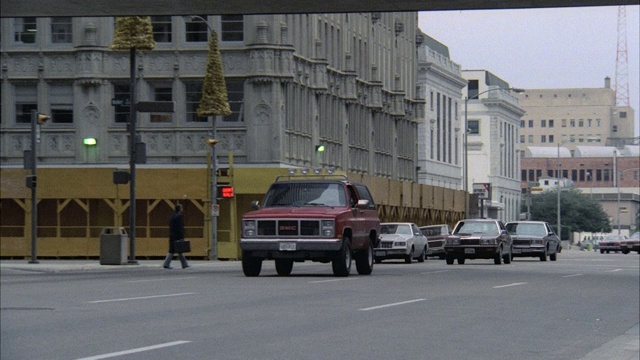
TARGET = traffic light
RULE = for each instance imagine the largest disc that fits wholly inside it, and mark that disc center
(42, 118)
(31, 181)
(212, 142)
(224, 191)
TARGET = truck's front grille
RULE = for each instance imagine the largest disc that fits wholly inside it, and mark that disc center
(289, 227)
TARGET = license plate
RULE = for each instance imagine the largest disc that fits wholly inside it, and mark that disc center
(469, 251)
(380, 253)
(287, 246)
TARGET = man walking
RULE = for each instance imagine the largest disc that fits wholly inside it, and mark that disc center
(176, 232)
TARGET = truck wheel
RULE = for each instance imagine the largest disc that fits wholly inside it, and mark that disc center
(543, 257)
(554, 256)
(284, 266)
(461, 261)
(251, 266)
(364, 261)
(409, 258)
(341, 264)
(507, 258)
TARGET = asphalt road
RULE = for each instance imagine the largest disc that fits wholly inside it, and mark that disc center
(583, 306)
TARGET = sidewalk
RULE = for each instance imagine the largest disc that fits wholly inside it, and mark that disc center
(60, 266)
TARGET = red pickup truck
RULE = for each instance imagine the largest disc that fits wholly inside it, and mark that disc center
(324, 218)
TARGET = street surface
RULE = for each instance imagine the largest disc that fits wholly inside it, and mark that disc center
(584, 306)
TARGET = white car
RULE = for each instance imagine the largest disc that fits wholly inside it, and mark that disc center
(401, 241)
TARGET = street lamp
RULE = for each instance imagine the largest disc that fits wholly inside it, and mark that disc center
(558, 187)
(466, 145)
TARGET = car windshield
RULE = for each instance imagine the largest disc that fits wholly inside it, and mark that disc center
(614, 237)
(527, 229)
(477, 227)
(399, 229)
(305, 194)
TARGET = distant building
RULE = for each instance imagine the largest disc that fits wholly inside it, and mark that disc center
(439, 135)
(580, 116)
(493, 119)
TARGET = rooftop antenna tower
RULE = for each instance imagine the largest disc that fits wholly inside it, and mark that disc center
(622, 61)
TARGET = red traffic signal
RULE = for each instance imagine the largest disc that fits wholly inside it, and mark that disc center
(225, 192)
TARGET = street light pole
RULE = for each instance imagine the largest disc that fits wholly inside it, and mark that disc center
(465, 135)
(617, 181)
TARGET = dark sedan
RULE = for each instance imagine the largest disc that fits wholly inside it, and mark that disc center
(534, 239)
(479, 239)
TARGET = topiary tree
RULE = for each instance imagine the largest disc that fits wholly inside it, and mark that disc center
(214, 99)
(133, 32)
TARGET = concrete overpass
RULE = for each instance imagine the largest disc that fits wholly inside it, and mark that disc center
(51, 8)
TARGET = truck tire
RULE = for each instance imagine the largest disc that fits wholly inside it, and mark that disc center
(497, 258)
(284, 266)
(364, 261)
(341, 264)
(251, 266)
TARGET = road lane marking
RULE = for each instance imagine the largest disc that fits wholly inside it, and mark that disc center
(332, 280)
(133, 351)
(574, 275)
(614, 270)
(508, 285)
(434, 272)
(390, 305)
(162, 279)
(139, 298)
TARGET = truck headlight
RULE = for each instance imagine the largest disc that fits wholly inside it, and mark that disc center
(453, 242)
(328, 228)
(488, 241)
(248, 228)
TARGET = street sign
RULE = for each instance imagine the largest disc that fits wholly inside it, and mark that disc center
(215, 210)
(120, 102)
(483, 190)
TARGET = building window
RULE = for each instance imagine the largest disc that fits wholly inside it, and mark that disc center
(532, 175)
(161, 28)
(161, 93)
(550, 123)
(589, 122)
(235, 94)
(61, 30)
(472, 89)
(605, 175)
(530, 139)
(572, 123)
(543, 123)
(24, 30)
(623, 114)
(523, 175)
(564, 122)
(431, 100)
(232, 28)
(122, 112)
(61, 99)
(581, 123)
(551, 139)
(194, 94)
(614, 128)
(530, 123)
(521, 139)
(473, 127)
(196, 30)
(543, 138)
(521, 124)
(26, 100)
(549, 173)
(598, 175)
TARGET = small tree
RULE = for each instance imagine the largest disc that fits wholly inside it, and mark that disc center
(214, 99)
(579, 212)
(133, 32)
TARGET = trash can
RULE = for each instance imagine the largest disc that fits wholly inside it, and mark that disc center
(113, 246)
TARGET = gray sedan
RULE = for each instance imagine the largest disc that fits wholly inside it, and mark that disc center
(534, 239)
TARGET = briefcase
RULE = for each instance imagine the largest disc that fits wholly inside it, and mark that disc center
(182, 246)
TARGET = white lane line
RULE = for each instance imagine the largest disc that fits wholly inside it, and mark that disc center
(390, 305)
(133, 351)
(574, 275)
(332, 280)
(162, 279)
(508, 285)
(139, 298)
(434, 272)
(614, 270)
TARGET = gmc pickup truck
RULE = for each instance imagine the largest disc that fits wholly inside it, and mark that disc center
(324, 218)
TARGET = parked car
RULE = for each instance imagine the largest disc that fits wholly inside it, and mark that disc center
(436, 237)
(612, 243)
(631, 244)
(534, 239)
(479, 239)
(401, 241)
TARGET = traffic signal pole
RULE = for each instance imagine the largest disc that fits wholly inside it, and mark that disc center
(34, 201)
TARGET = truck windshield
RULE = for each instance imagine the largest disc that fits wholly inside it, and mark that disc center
(305, 194)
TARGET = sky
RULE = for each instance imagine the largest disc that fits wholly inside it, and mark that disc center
(541, 48)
